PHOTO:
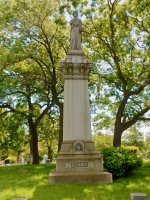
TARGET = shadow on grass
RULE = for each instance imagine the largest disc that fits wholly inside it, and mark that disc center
(33, 184)
(139, 181)
(21, 180)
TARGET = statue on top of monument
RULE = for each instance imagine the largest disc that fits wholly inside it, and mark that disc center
(75, 33)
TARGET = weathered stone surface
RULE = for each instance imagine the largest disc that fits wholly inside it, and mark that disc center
(75, 66)
(77, 123)
(48, 161)
(78, 160)
(75, 32)
(69, 158)
(19, 199)
(22, 170)
(84, 165)
(80, 177)
(138, 196)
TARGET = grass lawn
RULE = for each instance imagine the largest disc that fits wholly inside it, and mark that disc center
(33, 185)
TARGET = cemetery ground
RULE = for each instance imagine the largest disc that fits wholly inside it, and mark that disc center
(31, 182)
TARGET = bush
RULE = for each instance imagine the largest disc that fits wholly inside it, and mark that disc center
(120, 162)
(3, 154)
(132, 148)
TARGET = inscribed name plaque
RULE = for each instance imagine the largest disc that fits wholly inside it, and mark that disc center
(84, 164)
(79, 164)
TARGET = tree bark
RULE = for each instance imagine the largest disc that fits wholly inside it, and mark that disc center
(119, 126)
(18, 156)
(33, 141)
(50, 151)
(117, 135)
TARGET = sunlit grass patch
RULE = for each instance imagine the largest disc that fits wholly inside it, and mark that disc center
(17, 192)
(33, 185)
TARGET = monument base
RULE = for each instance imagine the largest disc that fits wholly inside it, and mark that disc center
(79, 177)
(79, 162)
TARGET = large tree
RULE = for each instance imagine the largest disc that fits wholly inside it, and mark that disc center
(48, 135)
(13, 135)
(118, 35)
(34, 38)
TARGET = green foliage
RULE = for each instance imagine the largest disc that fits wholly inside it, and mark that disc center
(12, 159)
(102, 141)
(48, 135)
(148, 141)
(120, 50)
(134, 137)
(3, 154)
(34, 37)
(120, 162)
(132, 148)
(13, 134)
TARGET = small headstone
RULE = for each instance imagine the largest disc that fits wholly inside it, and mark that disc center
(31, 158)
(22, 170)
(28, 160)
(44, 159)
(43, 162)
(7, 162)
(48, 161)
(22, 161)
(138, 196)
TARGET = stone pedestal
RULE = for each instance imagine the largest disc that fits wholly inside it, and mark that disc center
(78, 161)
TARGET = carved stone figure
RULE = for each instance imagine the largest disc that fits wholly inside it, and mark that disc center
(78, 147)
(75, 35)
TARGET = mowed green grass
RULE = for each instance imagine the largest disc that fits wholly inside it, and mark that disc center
(33, 185)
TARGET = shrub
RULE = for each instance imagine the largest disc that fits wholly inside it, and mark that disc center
(120, 162)
(132, 148)
(3, 154)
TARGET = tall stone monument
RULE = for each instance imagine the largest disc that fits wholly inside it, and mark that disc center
(78, 161)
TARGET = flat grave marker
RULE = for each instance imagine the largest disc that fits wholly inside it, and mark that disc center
(19, 199)
(138, 196)
(22, 170)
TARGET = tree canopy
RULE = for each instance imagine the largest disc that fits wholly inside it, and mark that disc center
(33, 40)
(35, 36)
(118, 36)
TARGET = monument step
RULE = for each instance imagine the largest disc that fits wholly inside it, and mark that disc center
(80, 177)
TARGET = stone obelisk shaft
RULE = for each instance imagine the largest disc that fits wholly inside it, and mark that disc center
(76, 124)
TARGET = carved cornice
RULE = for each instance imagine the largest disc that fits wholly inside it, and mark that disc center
(75, 66)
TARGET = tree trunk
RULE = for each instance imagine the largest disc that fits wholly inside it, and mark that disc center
(119, 125)
(117, 135)
(18, 156)
(50, 151)
(33, 142)
(60, 126)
